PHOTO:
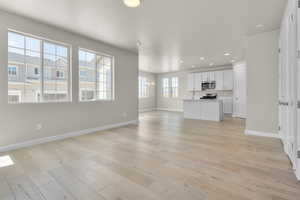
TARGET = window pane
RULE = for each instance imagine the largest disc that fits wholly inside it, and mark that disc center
(104, 77)
(16, 40)
(56, 72)
(23, 59)
(87, 76)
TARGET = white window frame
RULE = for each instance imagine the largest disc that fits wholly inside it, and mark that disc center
(96, 74)
(174, 87)
(42, 41)
(144, 87)
(165, 88)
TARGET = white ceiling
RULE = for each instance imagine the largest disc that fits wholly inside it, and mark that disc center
(169, 30)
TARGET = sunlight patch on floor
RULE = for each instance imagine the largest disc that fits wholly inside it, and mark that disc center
(6, 161)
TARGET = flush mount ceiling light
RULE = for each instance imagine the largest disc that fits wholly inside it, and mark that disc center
(211, 64)
(202, 58)
(132, 3)
(226, 54)
(259, 26)
(232, 61)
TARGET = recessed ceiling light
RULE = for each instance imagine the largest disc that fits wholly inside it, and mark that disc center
(259, 26)
(211, 64)
(226, 54)
(132, 3)
(202, 58)
(193, 66)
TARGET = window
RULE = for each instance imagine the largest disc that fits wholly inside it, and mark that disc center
(12, 70)
(95, 76)
(60, 74)
(174, 87)
(170, 87)
(143, 87)
(165, 88)
(36, 64)
(14, 96)
(36, 71)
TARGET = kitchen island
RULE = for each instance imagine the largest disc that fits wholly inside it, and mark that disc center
(203, 109)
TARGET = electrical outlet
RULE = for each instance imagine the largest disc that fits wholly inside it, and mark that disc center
(38, 126)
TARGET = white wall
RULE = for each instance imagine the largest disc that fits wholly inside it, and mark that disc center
(148, 104)
(262, 82)
(172, 104)
(18, 122)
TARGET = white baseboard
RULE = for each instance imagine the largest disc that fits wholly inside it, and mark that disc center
(147, 110)
(63, 136)
(170, 110)
(262, 134)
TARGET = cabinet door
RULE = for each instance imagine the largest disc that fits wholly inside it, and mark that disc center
(211, 76)
(228, 80)
(190, 82)
(205, 76)
(219, 80)
(198, 81)
(227, 105)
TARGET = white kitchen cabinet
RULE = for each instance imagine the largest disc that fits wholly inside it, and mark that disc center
(190, 82)
(198, 81)
(227, 105)
(228, 80)
(219, 77)
(211, 76)
(205, 76)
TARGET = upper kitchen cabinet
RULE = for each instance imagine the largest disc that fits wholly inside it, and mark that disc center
(191, 82)
(198, 81)
(194, 82)
(205, 76)
(228, 80)
(219, 76)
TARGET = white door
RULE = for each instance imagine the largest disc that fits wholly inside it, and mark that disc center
(288, 84)
(239, 93)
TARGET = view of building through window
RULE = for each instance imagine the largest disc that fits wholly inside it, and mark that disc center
(27, 58)
(95, 76)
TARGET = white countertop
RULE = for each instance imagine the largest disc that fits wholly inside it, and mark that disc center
(204, 100)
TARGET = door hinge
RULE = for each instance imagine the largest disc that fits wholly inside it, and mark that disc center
(292, 17)
(279, 128)
(279, 50)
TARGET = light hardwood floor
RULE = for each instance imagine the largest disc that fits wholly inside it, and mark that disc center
(165, 158)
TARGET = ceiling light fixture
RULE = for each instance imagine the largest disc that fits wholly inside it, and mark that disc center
(211, 64)
(132, 3)
(226, 54)
(180, 61)
(259, 26)
(193, 66)
(232, 61)
(202, 58)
